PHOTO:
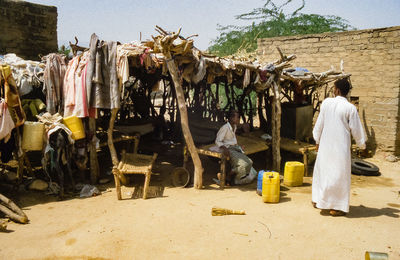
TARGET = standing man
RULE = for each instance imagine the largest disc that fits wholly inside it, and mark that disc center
(226, 141)
(337, 121)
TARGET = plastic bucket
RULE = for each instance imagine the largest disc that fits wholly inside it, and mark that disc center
(32, 137)
(75, 125)
(294, 173)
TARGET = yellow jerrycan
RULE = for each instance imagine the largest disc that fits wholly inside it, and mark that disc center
(32, 137)
(271, 187)
(76, 126)
(294, 173)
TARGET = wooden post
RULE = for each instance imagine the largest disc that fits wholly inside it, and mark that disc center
(198, 169)
(111, 147)
(185, 157)
(166, 43)
(277, 110)
(276, 126)
(305, 161)
(116, 174)
(263, 122)
(110, 142)
(94, 164)
(223, 171)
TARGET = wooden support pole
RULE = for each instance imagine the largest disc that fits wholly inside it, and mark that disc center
(94, 164)
(276, 127)
(111, 147)
(20, 157)
(198, 169)
(223, 171)
(110, 130)
(166, 44)
(305, 161)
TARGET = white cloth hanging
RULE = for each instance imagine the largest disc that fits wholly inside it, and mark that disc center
(6, 121)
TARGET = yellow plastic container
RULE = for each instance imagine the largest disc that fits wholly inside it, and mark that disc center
(271, 187)
(294, 173)
(32, 137)
(76, 126)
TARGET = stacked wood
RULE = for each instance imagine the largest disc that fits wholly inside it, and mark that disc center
(11, 210)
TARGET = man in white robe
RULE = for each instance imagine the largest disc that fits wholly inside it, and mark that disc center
(337, 121)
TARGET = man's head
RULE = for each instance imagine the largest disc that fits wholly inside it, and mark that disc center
(342, 87)
(233, 117)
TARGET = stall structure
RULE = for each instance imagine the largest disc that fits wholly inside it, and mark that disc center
(167, 84)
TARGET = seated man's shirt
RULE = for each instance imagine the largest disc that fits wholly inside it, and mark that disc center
(226, 136)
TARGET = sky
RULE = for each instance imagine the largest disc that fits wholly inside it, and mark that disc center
(126, 20)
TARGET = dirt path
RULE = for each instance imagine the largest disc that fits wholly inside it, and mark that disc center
(179, 225)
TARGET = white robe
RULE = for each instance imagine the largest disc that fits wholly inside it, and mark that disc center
(338, 119)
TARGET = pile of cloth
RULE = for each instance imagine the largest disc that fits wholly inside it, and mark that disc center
(27, 74)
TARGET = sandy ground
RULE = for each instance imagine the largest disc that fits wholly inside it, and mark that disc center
(179, 225)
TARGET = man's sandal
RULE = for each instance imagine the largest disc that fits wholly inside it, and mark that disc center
(336, 213)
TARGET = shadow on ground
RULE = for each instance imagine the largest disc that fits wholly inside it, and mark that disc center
(362, 211)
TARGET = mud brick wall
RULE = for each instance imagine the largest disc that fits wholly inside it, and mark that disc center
(372, 57)
(27, 29)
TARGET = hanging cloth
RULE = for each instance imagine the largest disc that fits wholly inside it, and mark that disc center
(11, 95)
(6, 121)
(53, 82)
(104, 91)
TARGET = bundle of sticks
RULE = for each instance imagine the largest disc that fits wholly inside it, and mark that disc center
(12, 211)
(215, 211)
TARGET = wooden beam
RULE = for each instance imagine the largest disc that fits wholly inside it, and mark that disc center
(111, 147)
(276, 126)
(166, 44)
(94, 164)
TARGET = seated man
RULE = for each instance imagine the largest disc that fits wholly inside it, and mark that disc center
(242, 169)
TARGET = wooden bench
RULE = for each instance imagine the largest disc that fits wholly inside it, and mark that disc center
(298, 147)
(251, 143)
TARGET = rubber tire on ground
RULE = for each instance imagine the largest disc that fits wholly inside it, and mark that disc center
(360, 167)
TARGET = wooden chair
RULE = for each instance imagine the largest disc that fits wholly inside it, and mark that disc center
(134, 163)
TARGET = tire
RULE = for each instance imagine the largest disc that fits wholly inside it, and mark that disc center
(360, 167)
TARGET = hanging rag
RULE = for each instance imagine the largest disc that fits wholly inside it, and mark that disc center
(201, 71)
(11, 95)
(75, 89)
(6, 121)
(91, 65)
(104, 92)
(246, 78)
(53, 82)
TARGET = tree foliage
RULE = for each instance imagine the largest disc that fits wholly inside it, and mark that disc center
(271, 21)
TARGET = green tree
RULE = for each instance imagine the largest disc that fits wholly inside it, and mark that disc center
(271, 21)
(64, 50)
